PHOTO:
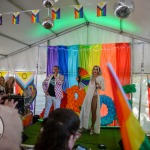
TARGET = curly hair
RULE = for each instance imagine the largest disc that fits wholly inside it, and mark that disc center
(57, 128)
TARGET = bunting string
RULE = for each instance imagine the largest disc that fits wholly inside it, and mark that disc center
(55, 12)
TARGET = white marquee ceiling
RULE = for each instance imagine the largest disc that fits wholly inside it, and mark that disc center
(26, 34)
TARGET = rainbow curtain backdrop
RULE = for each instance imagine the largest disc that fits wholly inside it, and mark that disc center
(69, 58)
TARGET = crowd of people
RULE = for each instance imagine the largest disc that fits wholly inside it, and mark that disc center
(6, 87)
(61, 127)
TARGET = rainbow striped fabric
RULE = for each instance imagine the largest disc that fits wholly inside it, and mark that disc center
(24, 79)
(69, 58)
(15, 18)
(133, 136)
(78, 11)
(0, 19)
(55, 13)
(101, 9)
(35, 16)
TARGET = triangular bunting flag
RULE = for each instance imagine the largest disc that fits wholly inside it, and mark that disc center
(5, 74)
(24, 79)
(0, 19)
(55, 13)
(101, 9)
(35, 16)
(15, 18)
(78, 11)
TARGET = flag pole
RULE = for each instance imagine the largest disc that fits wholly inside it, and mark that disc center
(142, 70)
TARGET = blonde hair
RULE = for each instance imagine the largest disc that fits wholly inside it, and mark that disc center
(99, 69)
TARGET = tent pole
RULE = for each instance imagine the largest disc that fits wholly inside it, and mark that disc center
(87, 33)
(37, 67)
(132, 47)
(142, 70)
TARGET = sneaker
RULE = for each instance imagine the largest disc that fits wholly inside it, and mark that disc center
(91, 131)
(40, 120)
(41, 130)
(82, 130)
(101, 146)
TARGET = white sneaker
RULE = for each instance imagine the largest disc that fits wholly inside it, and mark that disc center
(91, 131)
(41, 130)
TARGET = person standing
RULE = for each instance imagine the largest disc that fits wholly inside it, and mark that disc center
(52, 87)
(2, 86)
(10, 85)
(91, 103)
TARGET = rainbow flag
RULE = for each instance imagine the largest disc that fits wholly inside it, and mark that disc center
(35, 16)
(55, 13)
(0, 19)
(133, 136)
(101, 9)
(15, 18)
(24, 79)
(78, 11)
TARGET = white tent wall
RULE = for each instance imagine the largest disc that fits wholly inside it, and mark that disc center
(140, 70)
(34, 59)
(25, 61)
(10, 43)
(140, 54)
(144, 119)
(97, 35)
(78, 36)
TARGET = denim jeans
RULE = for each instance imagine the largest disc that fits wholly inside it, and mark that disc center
(49, 101)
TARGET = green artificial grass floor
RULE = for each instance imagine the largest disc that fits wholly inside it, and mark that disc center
(109, 136)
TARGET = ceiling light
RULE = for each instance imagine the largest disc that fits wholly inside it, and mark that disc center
(47, 3)
(48, 23)
(124, 8)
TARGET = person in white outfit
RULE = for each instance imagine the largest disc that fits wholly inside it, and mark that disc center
(91, 103)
